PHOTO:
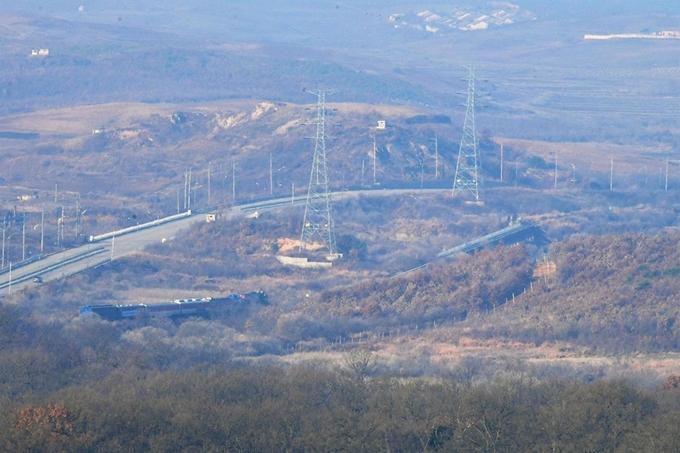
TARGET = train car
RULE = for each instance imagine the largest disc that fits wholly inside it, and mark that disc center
(164, 310)
(195, 307)
(132, 311)
(221, 302)
(177, 308)
(259, 297)
(108, 312)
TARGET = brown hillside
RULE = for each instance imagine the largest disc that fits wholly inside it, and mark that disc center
(621, 292)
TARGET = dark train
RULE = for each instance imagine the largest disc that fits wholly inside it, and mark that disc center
(176, 308)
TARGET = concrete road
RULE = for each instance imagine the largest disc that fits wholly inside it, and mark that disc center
(72, 261)
(75, 260)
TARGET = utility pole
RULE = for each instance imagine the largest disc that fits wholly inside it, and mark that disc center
(363, 170)
(233, 181)
(271, 175)
(42, 230)
(501, 162)
(59, 228)
(23, 239)
(189, 191)
(186, 184)
(4, 235)
(77, 214)
(468, 168)
(62, 223)
(436, 157)
(375, 164)
(223, 174)
(209, 184)
(318, 219)
(196, 186)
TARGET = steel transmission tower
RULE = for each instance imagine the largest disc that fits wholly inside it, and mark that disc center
(318, 220)
(469, 166)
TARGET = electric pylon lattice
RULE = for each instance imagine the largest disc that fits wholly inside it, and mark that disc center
(469, 166)
(318, 220)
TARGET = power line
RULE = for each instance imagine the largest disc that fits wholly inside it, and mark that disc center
(468, 167)
(209, 183)
(318, 219)
(189, 191)
(375, 159)
(436, 157)
(233, 181)
(501, 161)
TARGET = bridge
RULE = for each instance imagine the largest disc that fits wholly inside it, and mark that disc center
(513, 234)
(78, 259)
(107, 247)
(517, 232)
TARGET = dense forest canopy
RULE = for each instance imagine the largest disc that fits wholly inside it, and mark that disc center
(136, 407)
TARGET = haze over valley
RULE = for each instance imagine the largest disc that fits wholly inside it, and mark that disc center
(116, 114)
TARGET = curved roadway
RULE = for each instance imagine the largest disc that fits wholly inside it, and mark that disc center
(72, 261)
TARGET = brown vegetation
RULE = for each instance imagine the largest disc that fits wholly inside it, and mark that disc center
(135, 406)
(490, 334)
(444, 291)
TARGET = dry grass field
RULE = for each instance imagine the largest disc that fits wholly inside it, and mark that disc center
(168, 100)
(83, 119)
(595, 156)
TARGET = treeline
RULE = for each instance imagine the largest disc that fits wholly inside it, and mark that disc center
(614, 293)
(93, 386)
(617, 293)
(343, 408)
(443, 291)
